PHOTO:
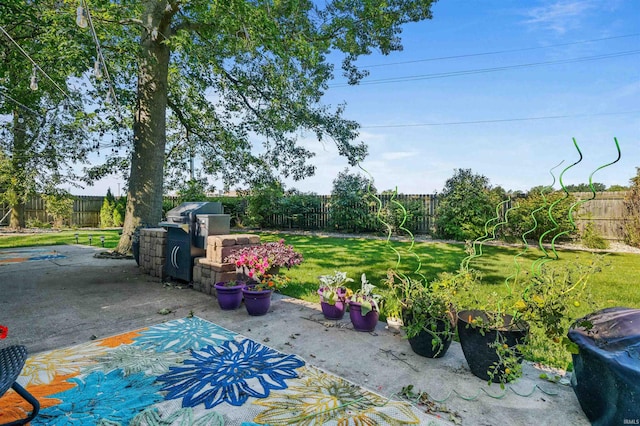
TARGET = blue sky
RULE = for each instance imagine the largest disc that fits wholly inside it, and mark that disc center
(405, 123)
(512, 154)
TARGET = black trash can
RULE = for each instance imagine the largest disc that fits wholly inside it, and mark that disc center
(606, 377)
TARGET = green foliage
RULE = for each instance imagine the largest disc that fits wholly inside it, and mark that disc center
(632, 206)
(410, 211)
(235, 207)
(192, 190)
(295, 206)
(617, 188)
(592, 238)
(107, 209)
(119, 211)
(584, 187)
(544, 205)
(59, 204)
(351, 203)
(263, 202)
(467, 202)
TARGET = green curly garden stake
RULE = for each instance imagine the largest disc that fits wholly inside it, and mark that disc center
(379, 215)
(593, 194)
(546, 258)
(479, 242)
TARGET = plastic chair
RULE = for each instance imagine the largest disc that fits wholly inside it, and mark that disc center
(12, 360)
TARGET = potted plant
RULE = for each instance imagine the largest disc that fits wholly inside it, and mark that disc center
(427, 309)
(257, 294)
(259, 267)
(495, 335)
(254, 261)
(364, 309)
(333, 294)
(229, 294)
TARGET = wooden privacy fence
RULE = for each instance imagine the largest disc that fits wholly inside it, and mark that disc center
(317, 215)
(606, 211)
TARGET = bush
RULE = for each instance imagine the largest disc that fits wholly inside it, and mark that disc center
(119, 211)
(296, 206)
(412, 210)
(632, 206)
(592, 239)
(59, 204)
(538, 202)
(106, 211)
(351, 203)
(263, 202)
(467, 202)
(235, 207)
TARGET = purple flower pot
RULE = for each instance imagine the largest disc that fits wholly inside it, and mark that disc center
(362, 323)
(333, 312)
(229, 298)
(257, 302)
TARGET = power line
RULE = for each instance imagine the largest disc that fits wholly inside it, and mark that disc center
(523, 49)
(488, 70)
(503, 120)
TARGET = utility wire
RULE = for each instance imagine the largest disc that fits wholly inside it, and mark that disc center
(523, 49)
(101, 57)
(504, 120)
(3, 93)
(488, 70)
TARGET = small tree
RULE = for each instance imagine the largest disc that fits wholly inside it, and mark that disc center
(106, 211)
(263, 202)
(632, 205)
(192, 190)
(467, 202)
(349, 208)
(59, 204)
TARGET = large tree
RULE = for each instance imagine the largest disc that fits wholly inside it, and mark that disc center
(212, 78)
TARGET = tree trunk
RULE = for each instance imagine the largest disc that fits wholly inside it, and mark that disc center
(18, 189)
(144, 196)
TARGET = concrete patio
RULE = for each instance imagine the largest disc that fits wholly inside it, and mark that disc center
(74, 297)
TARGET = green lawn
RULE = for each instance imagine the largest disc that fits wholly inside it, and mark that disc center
(52, 237)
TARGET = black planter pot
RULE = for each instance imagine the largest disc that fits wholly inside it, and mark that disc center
(422, 343)
(476, 342)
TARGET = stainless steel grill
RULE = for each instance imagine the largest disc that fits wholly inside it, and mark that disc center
(188, 226)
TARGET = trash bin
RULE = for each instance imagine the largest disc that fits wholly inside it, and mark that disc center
(606, 376)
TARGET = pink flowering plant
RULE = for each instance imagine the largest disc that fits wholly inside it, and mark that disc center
(256, 261)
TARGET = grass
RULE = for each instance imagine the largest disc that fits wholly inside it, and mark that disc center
(55, 238)
(616, 285)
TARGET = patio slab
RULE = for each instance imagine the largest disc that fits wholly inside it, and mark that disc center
(63, 300)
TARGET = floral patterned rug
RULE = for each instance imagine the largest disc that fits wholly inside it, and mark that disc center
(193, 372)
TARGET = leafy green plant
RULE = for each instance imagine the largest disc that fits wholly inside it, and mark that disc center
(264, 197)
(59, 204)
(350, 206)
(465, 205)
(107, 209)
(365, 296)
(333, 287)
(592, 239)
(632, 206)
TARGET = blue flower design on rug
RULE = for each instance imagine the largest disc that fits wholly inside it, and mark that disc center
(101, 397)
(229, 373)
(183, 334)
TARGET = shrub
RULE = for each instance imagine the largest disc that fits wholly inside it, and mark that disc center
(106, 211)
(412, 212)
(592, 239)
(465, 205)
(59, 204)
(351, 203)
(538, 202)
(263, 203)
(119, 211)
(295, 206)
(632, 206)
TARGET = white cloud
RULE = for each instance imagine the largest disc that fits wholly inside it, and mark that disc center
(560, 16)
